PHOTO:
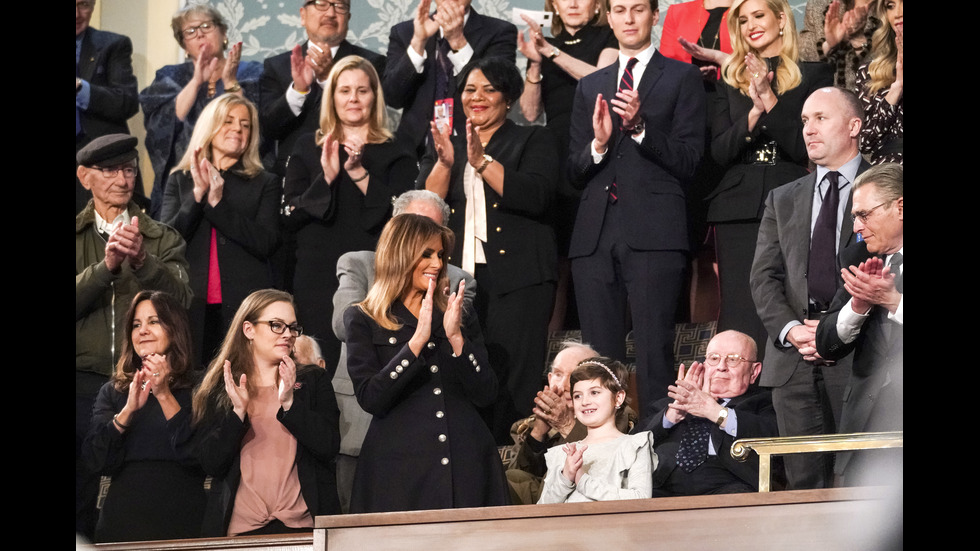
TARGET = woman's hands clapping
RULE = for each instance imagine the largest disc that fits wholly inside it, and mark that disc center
(238, 393)
(452, 321)
(287, 382)
(443, 144)
(424, 328)
(535, 47)
(207, 179)
(229, 75)
(474, 147)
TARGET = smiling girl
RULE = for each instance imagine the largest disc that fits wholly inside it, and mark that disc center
(606, 464)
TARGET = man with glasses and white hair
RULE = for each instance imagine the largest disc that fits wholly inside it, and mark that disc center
(291, 83)
(710, 406)
(119, 251)
(866, 318)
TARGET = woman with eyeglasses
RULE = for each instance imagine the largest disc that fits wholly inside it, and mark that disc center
(140, 430)
(174, 101)
(266, 431)
(226, 207)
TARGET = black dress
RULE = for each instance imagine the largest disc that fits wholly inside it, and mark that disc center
(157, 489)
(736, 206)
(332, 219)
(427, 446)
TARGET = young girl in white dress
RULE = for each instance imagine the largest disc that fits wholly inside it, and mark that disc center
(606, 464)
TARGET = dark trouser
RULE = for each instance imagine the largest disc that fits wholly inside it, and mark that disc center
(617, 279)
(515, 329)
(808, 404)
(87, 387)
(735, 249)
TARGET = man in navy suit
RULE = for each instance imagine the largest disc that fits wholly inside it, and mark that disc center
(637, 135)
(426, 54)
(106, 94)
(291, 83)
(804, 226)
(867, 318)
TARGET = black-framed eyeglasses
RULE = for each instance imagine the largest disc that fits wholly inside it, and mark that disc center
(205, 28)
(864, 215)
(279, 327)
(112, 171)
(324, 5)
(731, 360)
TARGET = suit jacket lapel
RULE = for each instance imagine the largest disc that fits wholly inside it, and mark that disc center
(650, 75)
(86, 56)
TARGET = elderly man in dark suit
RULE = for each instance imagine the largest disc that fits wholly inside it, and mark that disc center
(290, 87)
(634, 160)
(106, 94)
(867, 318)
(795, 275)
(426, 54)
(706, 410)
(355, 275)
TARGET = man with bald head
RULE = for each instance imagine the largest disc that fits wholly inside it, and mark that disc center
(552, 424)
(795, 275)
(710, 406)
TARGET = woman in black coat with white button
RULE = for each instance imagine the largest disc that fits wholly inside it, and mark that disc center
(420, 369)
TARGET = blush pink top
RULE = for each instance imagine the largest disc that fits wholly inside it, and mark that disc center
(269, 488)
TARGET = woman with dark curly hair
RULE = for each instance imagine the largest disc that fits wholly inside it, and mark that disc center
(140, 430)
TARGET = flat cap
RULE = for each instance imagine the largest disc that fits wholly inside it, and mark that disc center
(108, 150)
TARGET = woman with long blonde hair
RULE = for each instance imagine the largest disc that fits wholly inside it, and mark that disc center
(880, 85)
(421, 370)
(338, 188)
(267, 432)
(226, 207)
(757, 134)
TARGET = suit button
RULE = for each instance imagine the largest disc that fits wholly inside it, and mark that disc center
(404, 364)
(605, 188)
(477, 369)
(498, 229)
(452, 211)
(394, 375)
(431, 345)
(399, 369)
(445, 461)
(495, 205)
(440, 415)
(437, 391)
(442, 437)
(748, 139)
(392, 340)
(502, 251)
(471, 357)
(434, 369)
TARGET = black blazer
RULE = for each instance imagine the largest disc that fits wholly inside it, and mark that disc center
(756, 419)
(247, 220)
(742, 192)
(651, 177)
(279, 124)
(520, 248)
(314, 421)
(414, 92)
(105, 61)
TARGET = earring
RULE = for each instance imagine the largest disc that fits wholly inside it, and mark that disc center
(780, 32)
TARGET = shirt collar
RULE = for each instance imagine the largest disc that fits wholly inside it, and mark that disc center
(106, 227)
(848, 170)
(642, 58)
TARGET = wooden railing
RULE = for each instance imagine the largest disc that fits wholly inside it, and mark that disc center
(767, 447)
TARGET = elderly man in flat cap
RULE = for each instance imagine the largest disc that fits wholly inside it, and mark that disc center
(119, 251)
